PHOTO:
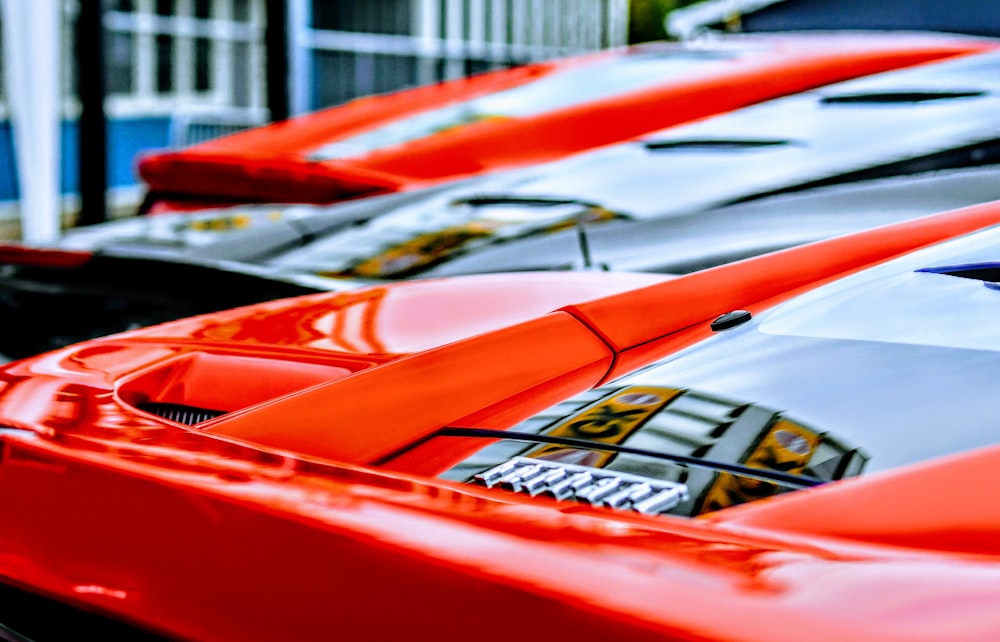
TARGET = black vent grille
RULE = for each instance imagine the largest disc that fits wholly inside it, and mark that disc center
(898, 97)
(987, 272)
(187, 415)
(595, 486)
(487, 200)
(714, 145)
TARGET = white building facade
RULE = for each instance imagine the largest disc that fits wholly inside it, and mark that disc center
(182, 71)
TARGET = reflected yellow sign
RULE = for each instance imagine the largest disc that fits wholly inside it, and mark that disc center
(432, 247)
(787, 447)
(419, 252)
(610, 421)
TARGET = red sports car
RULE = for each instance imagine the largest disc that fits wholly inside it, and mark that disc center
(524, 115)
(800, 445)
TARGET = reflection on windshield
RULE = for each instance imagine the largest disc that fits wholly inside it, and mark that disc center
(664, 421)
(406, 245)
(187, 229)
(563, 89)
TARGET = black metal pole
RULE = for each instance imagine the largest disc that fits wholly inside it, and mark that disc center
(92, 126)
(276, 45)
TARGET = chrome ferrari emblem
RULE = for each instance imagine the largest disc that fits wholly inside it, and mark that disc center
(596, 486)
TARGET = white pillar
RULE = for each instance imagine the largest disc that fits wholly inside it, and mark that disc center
(300, 56)
(32, 43)
(427, 27)
(617, 23)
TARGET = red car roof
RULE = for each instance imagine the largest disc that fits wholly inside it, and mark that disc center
(277, 162)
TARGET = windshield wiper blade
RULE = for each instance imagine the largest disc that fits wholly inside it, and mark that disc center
(486, 200)
(785, 479)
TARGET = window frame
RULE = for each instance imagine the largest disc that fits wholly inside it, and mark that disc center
(225, 34)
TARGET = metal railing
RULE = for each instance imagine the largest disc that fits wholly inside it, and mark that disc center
(393, 44)
(196, 127)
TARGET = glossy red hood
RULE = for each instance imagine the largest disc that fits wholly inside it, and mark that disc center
(269, 522)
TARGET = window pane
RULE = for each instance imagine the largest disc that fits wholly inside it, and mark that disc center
(203, 9)
(123, 5)
(241, 74)
(120, 52)
(164, 63)
(333, 78)
(385, 16)
(202, 58)
(241, 10)
(342, 76)
(165, 7)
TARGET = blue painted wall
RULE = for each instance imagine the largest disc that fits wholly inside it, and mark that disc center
(127, 138)
(8, 165)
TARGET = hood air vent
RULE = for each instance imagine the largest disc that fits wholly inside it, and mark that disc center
(187, 415)
(710, 144)
(594, 486)
(898, 97)
(987, 272)
(488, 200)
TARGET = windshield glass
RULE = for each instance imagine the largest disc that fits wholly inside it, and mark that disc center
(576, 85)
(710, 445)
(410, 242)
(889, 367)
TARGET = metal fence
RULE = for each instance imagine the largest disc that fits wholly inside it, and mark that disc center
(344, 49)
(198, 127)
